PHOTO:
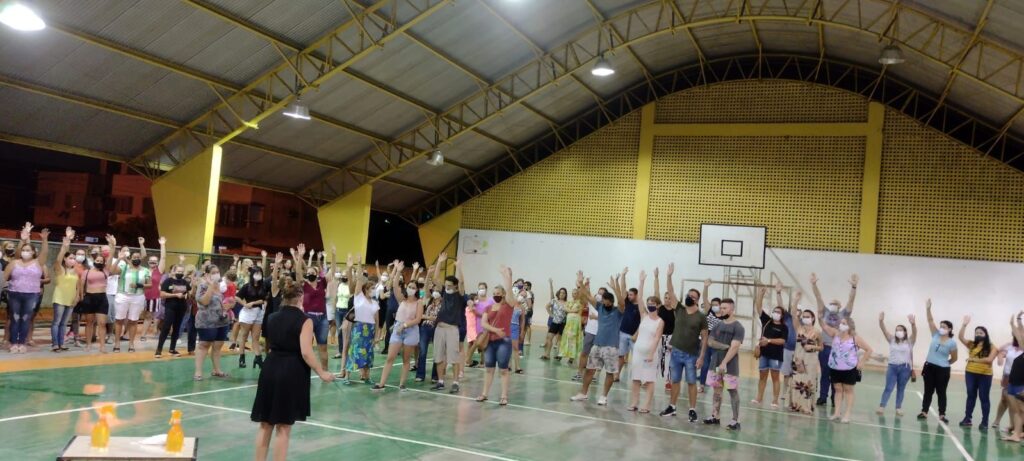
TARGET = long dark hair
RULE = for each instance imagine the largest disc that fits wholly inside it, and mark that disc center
(986, 344)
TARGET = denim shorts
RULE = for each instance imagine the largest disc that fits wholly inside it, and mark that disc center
(498, 351)
(625, 344)
(682, 361)
(207, 335)
(765, 363)
(1016, 391)
(320, 326)
(408, 337)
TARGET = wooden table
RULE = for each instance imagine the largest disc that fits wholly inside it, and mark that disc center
(125, 448)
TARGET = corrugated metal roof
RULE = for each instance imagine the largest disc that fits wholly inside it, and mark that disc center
(516, 124)
(411, 69)
(245, 163)
(309, 137)
(353, 101)
(563, 100)
(300, 21)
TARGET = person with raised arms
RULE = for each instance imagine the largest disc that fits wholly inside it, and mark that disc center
(725, 338)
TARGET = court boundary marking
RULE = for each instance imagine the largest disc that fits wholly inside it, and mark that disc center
(481, 454)
(945, 427)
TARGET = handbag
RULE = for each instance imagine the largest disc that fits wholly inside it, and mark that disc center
(350, 316)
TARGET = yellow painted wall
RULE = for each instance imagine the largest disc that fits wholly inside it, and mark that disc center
(185, 202)
(345, 222)
(715, 158)
(436, 235)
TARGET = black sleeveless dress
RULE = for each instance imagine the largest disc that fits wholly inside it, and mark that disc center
(282, 395)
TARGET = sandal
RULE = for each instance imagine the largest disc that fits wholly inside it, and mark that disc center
(131, 349)
(175, 354)
(644, 411)
(117, 349)
(482, 398)
(219, 374)
(158, 356)
(197, 378)
(519, 371)
(503, 402)
(631, 408)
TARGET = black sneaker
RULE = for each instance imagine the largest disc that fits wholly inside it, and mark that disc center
(577, 378)
(669, 411)
(735, 426)
(377, 388)
(712, 421)
(821, 402)
(943, 419)
(922, 415)
(693, 415)
(437, 387)
(966, 422)
(455, 388)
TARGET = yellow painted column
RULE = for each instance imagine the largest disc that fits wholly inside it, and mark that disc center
(872, 178)
(185, 201)
(345, 222)
(645, 154)
(436, 234)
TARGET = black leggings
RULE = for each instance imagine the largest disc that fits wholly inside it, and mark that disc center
(936, 380)
(172, 319)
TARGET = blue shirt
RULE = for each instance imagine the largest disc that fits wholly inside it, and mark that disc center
(630, 319)
(608, 322)
(938, 353)
(791, 337)
(392, 303)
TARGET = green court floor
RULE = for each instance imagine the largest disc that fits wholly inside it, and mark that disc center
(43, 409)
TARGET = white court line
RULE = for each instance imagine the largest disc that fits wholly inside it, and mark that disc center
(745, 407)
(664, 429)
(945, 427)
(481, 454)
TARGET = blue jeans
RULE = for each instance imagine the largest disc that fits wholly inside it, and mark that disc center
(705, 366)
(21, 306)
(60, 320)
(896, 376)
(320, 326)
(826, 380)
(978, 386)
(426, 339)
(679, 362)
(498, 351)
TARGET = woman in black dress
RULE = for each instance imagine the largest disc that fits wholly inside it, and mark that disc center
(282, 395)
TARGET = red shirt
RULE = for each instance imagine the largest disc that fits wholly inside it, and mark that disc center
(500, 318)
(314, 297)
(153, 292)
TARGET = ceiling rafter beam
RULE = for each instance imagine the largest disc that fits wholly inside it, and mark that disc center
(953, 72)
(278, 42)
(343, 45)
(581, 51)
(614, 30)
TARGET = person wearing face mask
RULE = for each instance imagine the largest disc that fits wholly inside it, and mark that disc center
(23, 278)
(253, 299)
(343, 299)
(643, 369)
(212, 322)
(173, 291)
(942, 354)
(978, 372)
(130, 300)
(556, 320)
(605, 353)
(901, 361)
(769, 350)
(1007, 354)
(94, 304)
(475, 326)
(314, 300)
(804, 392)
(363, 332)
(725, 338)
(82, 262)
(449, 318)
(846, 361)
(153, 312)
(572, 334)
(426, 334)
(830, 316)
(590, 323)
(688, 345)
(711, 308)
(9, 254)
(406, 333)
(65, 293)
(498, 326)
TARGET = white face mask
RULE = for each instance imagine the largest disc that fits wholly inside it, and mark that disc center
(833, 307)
(943, 331)
(435, 295)
(715, 309)
(26, 255)
(257, 277)
(521, 298)
(383, 278)
(844, 328)
(900, 334)
(410, 292)
(807, 321)
(79, 258)
(214, 278)
(337, 275)
(515, 290)
(449, 290)
(776, 316)
(481, 293)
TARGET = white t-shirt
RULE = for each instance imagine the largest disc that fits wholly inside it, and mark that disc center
(112, 280)
(591, 326)
(365, 309)
(1011, 354)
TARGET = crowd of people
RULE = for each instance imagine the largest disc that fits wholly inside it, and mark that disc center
(809, 354)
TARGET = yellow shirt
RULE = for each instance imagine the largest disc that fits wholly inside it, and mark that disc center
(977, 367)
(66, 290)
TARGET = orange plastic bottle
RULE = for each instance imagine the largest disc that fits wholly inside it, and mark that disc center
(101, 431)
(175, 436)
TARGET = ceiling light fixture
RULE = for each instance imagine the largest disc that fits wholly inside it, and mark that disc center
(298, 110)
(602, 68)
(436, 159)
(891, 54)
(18, 16)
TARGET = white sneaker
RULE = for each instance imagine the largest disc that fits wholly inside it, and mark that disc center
(579, 398)
(602, 401)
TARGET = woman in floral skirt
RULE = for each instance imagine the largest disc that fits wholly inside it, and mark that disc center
(806, 370)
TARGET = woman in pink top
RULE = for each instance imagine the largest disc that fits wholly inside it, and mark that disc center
(154, 312)
(92, 288)
(24, 277)
(497, 323)
(845, 364)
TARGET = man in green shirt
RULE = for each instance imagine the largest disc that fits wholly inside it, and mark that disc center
(689, 341)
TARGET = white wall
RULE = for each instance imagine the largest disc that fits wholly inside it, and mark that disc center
(899, 285)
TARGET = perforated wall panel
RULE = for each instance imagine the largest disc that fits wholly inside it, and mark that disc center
(586, 189)
(940, 198)
(765, 101)
(806, 190)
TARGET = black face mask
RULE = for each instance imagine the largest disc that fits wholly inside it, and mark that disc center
(689, 302)
(97, 265)
(136, 262)
(9, 252)
(311, 277)
(179, 276)
(979, 339)
(497, 299)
